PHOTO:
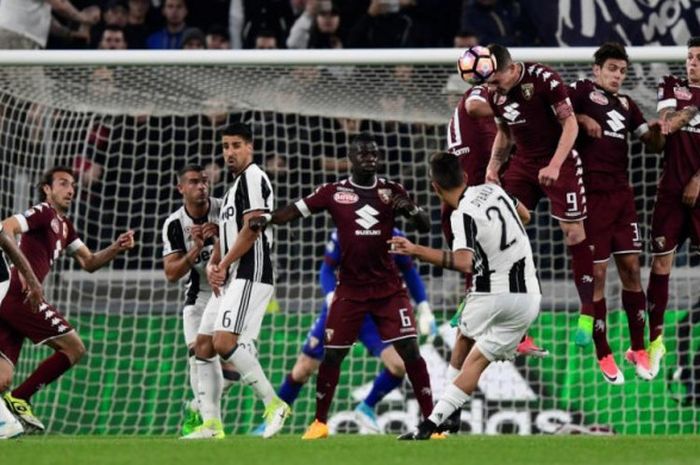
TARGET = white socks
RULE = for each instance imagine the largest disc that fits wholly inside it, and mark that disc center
(210, 386)
(452, 373)
(194, 382)
(452, 399)
(251, 372)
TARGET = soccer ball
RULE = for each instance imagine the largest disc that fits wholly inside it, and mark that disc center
(476, 64)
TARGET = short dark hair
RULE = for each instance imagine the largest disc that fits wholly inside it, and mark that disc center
(502, 56)
(189, 168)
(47, 178)
(445, 170)
(694, 42)
(360, 139)
(610, 51)
(238, 129)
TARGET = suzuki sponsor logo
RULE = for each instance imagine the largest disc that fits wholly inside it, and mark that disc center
(367, 216)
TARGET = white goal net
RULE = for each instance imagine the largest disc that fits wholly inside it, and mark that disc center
(126, 122)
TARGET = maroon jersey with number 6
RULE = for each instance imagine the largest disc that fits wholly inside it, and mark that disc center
(364, 217)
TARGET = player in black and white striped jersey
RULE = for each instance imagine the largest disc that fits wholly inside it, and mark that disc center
(240, 271)
(188, 240)
(489, 241)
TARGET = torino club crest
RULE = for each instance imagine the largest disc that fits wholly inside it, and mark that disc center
(384, 195)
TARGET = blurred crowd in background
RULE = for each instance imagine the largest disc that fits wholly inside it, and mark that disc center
(325, 24)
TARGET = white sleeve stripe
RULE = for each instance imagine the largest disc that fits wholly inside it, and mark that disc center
(256, 209)
(253, 183)
(73, 246)
(668, 103)
(24, 226)
(476, 97)
(301, 205)
(641, 130)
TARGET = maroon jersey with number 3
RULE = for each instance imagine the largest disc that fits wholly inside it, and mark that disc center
(529, 109)
(45, 234)
(605, 160)
(681, 159)
(364, 217)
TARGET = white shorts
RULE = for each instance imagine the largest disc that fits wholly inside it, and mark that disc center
(242, 308)
(497, 322)
(192, 317)
(206, 325)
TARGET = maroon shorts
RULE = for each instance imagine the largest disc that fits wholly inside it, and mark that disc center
(673, 223)
(392, 314)
(10, 343)
(567, 195)
(611, 224)
(17, 317)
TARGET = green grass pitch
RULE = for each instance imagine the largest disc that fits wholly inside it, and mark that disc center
(347, 449)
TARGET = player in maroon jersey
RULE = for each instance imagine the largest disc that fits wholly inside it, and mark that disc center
(677, 211)
(34, 295)
(46, 232)
(606, 118)
(533, 111)
(363, 208)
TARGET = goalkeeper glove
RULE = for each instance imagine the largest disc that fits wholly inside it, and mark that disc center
(426, 320)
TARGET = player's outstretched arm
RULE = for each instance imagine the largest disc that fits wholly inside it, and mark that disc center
(500, 151)
(93, 261)
(282, 215)
(31, 285)
(550, 173)
(178, 264)
(461, 260)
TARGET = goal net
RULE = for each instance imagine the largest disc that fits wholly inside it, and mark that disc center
(126, 122)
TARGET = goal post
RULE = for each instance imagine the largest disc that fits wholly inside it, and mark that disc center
(126, 121)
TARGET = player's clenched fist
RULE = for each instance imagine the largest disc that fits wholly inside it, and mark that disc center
(126, 241)
(216, 277)
(209, 230)
(492, 176)
(548, 175)
(404, 206)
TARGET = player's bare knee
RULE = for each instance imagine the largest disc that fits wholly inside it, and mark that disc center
(573, 233)
(393, 362)
(204, 347)
(302, 372)
(661, 264)
(74, 350)
(630, 277)
(6, 372)
(224, 342)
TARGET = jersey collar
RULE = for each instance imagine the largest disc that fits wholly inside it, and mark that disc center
(363, 187)
(203, 217)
